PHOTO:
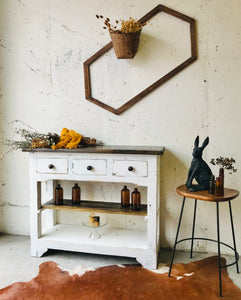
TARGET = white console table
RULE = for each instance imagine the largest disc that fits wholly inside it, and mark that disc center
(115, 164)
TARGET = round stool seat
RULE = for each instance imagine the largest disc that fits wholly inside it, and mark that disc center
(229, 194)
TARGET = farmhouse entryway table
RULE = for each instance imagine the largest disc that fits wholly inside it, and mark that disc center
(110, 164)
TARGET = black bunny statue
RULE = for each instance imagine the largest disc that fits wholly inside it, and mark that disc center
(199, 168)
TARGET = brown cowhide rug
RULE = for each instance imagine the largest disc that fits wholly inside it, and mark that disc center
(195, 280)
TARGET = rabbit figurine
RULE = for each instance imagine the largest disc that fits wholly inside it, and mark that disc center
(199, 168)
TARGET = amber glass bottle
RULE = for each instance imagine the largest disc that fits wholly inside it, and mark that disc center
(76, 194)
(136, 199)
(211, 189)
(125, 197)
(58, 195)
(218, 189)
(221, 176)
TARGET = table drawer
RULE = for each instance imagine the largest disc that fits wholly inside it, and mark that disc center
(89, 166)
(52, 165)
(130, 168)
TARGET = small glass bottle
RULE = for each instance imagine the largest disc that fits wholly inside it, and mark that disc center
(58, 195)
(218, 190)
(212, 185)
(136, 199)
(125, 197)
(221, 176)
(76, 194)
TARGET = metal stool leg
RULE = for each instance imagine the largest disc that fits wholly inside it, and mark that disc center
(193, 225)
(219, 258)
(178, 228)
(234, 242)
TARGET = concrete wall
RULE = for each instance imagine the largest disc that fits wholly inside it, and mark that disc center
(43, 45)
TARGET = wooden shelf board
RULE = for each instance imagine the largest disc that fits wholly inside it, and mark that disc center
(96, 206)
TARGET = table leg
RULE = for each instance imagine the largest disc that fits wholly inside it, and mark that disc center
(178, 228)
(219, 258)
(193, 225)
(234, 242)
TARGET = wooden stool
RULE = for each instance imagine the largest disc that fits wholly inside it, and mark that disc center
(229, 194)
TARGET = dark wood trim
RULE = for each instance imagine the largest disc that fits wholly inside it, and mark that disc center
(154, 86)
(103, 105)
(94, 57)
(162, 80)
(193, 40)
(150, 14)
(87, 81)
(176, 14)
(99, 53)
(145, 150)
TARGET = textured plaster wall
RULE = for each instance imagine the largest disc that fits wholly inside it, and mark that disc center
(43, 45)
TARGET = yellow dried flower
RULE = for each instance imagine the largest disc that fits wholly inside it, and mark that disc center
(128, 26)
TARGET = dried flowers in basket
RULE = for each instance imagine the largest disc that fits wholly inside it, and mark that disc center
(126, 39)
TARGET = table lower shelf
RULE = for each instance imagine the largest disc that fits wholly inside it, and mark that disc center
(97, 206)
(76, 238)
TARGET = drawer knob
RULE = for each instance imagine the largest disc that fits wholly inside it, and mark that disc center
(89, 168)
(51, 166)
(130, 168)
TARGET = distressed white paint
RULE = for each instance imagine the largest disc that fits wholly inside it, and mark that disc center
(42, 49)
(98, 167)
(124, 240)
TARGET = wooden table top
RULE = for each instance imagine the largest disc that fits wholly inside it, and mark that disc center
(146, 150)
(229, 194)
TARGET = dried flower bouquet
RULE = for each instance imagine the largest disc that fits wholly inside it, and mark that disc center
(128, 26)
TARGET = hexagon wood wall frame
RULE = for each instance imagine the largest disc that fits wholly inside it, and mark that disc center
(156, 84)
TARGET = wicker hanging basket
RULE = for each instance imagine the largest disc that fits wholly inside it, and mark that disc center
(125, 44)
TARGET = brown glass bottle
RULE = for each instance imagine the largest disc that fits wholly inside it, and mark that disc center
(211, 189)
(76, 194)
(221, 176)
(218, 189)
(58, 195)
(136, 199)
(125, 197)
